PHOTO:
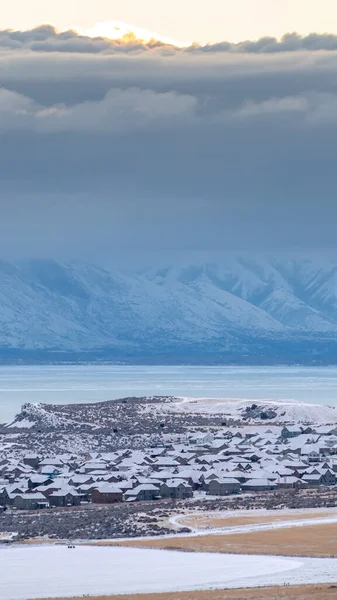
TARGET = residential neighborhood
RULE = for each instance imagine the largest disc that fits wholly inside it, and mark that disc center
(223, 462)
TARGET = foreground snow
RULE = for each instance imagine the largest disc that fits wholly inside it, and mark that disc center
(54, 571)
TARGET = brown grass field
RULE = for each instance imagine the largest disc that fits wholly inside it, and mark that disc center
(210, 522)
(309, 540)
(296, 592)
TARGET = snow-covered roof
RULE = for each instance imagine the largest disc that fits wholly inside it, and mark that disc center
(108, 489)
(259, 483)
(227, 481)
(142, 488)
(175, 483)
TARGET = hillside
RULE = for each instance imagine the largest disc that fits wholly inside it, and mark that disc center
(145, 414)
(236, 309)
(147, 421)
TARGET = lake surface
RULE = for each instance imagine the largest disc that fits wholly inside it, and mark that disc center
(93, 383)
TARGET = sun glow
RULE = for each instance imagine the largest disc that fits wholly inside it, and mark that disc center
(117, 30)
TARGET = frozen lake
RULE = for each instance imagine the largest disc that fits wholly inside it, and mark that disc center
(92, 383)
(41, 572)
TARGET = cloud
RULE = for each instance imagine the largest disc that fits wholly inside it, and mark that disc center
(47, 39)
(119, 110)
(124, 150)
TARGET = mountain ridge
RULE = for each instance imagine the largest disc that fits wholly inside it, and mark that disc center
(277, 308)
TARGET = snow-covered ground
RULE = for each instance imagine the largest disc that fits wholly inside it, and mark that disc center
(54, 571)
(287, 411)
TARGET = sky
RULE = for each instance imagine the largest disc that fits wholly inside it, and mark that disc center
(192, 20)
(113, 148)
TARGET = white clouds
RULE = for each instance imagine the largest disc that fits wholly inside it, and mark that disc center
(134, 109)
(274, 106)
(119, 110)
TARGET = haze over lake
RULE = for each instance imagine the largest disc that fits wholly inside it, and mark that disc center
(93, 383)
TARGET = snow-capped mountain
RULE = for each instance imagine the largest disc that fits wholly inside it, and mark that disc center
(234, 308)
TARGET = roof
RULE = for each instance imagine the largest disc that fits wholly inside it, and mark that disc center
(38, 478)
(288, 479)
(49, 469)
(51, 461)
(142, 488)
(109, 489)
(34, 496)
(174, 483)
(259, 483)
(229, 480)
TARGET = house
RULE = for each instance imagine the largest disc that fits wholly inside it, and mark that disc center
(318, 477)
(239, 475)
(154, 452)
(291, 482)
(223, 487)
(32, 460)
(165, 462)
(32, 501)
(326, 430)
(107, 494)
(37, 480)
(218, 445)
(89, 467)
(176, 488)
(50, 471)
(126, 485)
(328, 478)
(77, 480)
(161, 476)
(313, 456)
(313, 480)
(184, 458)
(146, 491)
(8, 493)
(200, 439)
(47, 490)
(191, 476)
(12, 472)
(56, 462)
(290, 432)
(326, 449)
(258, 485)
(63, 498)
(86, 492)
(295, 465)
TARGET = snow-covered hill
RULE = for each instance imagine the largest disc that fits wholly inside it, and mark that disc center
(229, 307)
(268, 411)
(147, 411)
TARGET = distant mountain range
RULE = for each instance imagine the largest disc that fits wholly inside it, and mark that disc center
(243, 309)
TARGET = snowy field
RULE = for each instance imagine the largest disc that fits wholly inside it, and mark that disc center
(50, 571)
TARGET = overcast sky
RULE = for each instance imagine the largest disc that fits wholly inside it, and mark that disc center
(110, 149)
